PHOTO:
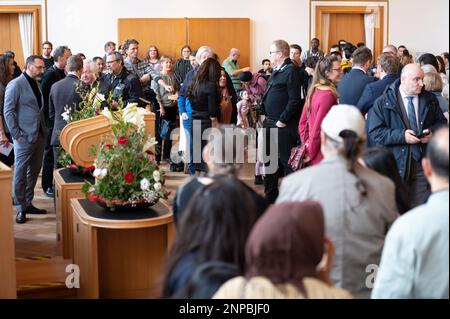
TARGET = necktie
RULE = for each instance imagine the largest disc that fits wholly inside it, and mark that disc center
(414, 126)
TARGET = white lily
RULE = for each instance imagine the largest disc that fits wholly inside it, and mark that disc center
(156, 176)
(157, 187)
(145, 184)
(150, 142)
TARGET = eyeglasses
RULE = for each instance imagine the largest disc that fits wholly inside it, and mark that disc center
(270, 52)
(109, 62)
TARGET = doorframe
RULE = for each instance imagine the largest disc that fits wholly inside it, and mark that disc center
(35, 10)
(317, 8)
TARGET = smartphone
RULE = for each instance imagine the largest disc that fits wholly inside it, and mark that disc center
(424, 133)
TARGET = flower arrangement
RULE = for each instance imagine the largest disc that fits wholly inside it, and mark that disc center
(126, 172)
(90, 105)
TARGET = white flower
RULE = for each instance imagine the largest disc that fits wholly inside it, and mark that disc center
(150, 142)
(156, 176)
(145, 184)
(157, 186)
(66, 116)
(100, 172)
(106, 112)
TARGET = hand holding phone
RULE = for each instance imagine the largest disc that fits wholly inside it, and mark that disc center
(424, 133)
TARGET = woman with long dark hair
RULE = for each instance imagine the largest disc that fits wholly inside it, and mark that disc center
(322, 95)
(381, 160)
(6, 75)
(203, 93)
(214, 227)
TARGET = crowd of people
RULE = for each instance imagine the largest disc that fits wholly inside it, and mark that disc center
(372, 191)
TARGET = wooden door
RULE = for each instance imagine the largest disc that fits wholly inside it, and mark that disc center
(169, 35)
(10, 36)
(222, 35)
(348, 26)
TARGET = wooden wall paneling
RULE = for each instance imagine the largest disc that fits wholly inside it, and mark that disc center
(222, 34)
(169, 35)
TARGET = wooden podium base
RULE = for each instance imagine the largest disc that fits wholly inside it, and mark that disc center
(67, 186)
(120, 254)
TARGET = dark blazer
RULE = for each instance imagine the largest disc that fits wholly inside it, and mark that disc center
(63, 93)
(50, 77)
(373, 91)
(386, 127)
(352, 86)
(282, 97)
(126, 86)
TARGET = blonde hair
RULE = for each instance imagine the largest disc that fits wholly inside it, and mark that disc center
(432, 82)
(93, 68)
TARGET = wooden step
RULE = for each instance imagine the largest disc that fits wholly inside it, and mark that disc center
(43, 277)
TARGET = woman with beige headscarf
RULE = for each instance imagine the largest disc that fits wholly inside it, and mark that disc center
(287, 257)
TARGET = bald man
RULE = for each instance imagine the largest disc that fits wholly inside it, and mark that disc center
(414, 263)
(403, 119)
(232, 67)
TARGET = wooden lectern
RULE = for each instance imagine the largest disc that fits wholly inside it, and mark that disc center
(77, 138)
(120, 254)
(7, 252)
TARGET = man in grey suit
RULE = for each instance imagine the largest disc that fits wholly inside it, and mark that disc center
(64, 93)
(25, 120)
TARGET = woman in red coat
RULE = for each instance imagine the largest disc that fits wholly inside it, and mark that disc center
(322, 95)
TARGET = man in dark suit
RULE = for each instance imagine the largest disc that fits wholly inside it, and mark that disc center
(403, 119)
(51, 76)
(64, 94)
(23, 115)
(353, 83)
(387, 69)
(281, 105)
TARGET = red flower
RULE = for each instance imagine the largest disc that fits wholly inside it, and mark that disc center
(103, 200)
(72, 166)
(108, 146)
(122, 140)
(88, 168)
(129, 178)
(149, 152)
(93, 198)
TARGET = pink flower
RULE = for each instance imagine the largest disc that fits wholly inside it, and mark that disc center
(129, 178)
(72, 166)
(122, 140)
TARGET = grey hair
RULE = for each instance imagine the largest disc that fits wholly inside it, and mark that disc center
(202, 50)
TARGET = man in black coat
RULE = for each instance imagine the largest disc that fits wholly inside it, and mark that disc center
(282, 108)
(64, 94)
(353, 83)
(403, 119)
(51, 76)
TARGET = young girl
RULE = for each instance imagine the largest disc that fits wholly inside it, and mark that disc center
(243, 107)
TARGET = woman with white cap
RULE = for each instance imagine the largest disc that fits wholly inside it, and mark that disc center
(358, 203)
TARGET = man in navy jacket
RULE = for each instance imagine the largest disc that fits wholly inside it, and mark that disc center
(392, 123)
(353, 83)
(387, 68)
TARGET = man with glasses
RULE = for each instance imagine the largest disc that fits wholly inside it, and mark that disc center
(25, 119)
(51, 76)
(122, 83)
(281, 105)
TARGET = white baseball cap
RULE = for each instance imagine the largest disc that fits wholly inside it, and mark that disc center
(343, 117)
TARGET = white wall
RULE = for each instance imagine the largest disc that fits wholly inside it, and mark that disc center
(85, 25)
(421, 25)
